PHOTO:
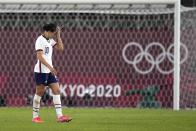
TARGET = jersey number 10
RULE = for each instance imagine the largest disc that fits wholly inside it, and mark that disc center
(46, 50)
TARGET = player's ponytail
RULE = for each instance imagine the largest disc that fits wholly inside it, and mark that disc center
(50, 27)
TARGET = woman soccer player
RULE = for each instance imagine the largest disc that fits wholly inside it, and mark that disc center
(45, 74)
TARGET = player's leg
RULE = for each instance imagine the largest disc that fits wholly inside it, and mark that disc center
(40, 79)
(57, 103)
(54, 85)
(56, 98)
(36, 102)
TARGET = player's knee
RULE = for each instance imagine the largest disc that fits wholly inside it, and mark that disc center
(40, 92)
(56, 91)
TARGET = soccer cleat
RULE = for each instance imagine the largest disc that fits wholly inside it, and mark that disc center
(63, 119)
(37, 119)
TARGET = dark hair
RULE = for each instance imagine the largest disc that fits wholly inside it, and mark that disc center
(50, 27)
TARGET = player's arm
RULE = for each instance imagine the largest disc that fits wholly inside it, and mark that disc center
(43, 61)
(59, 45)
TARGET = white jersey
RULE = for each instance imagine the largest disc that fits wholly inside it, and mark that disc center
(45, 45)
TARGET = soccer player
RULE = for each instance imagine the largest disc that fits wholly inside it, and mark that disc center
(45, 74)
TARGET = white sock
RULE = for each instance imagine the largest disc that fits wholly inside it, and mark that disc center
(57, 104)
(36, 105)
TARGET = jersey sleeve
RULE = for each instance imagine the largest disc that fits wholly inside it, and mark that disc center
(39, 45)
(53, 43)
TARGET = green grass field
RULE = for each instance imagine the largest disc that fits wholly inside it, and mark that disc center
(99, 119)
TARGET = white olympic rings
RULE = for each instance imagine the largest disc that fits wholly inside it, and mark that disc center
(149, 58)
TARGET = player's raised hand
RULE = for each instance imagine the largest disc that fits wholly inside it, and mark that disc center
(58, 29)
(60, 43)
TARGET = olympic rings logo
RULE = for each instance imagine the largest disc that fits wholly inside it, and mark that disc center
(150, 59)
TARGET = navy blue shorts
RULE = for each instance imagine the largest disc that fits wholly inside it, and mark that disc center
(45, 78)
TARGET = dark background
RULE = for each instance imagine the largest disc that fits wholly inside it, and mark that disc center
(189, 3)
